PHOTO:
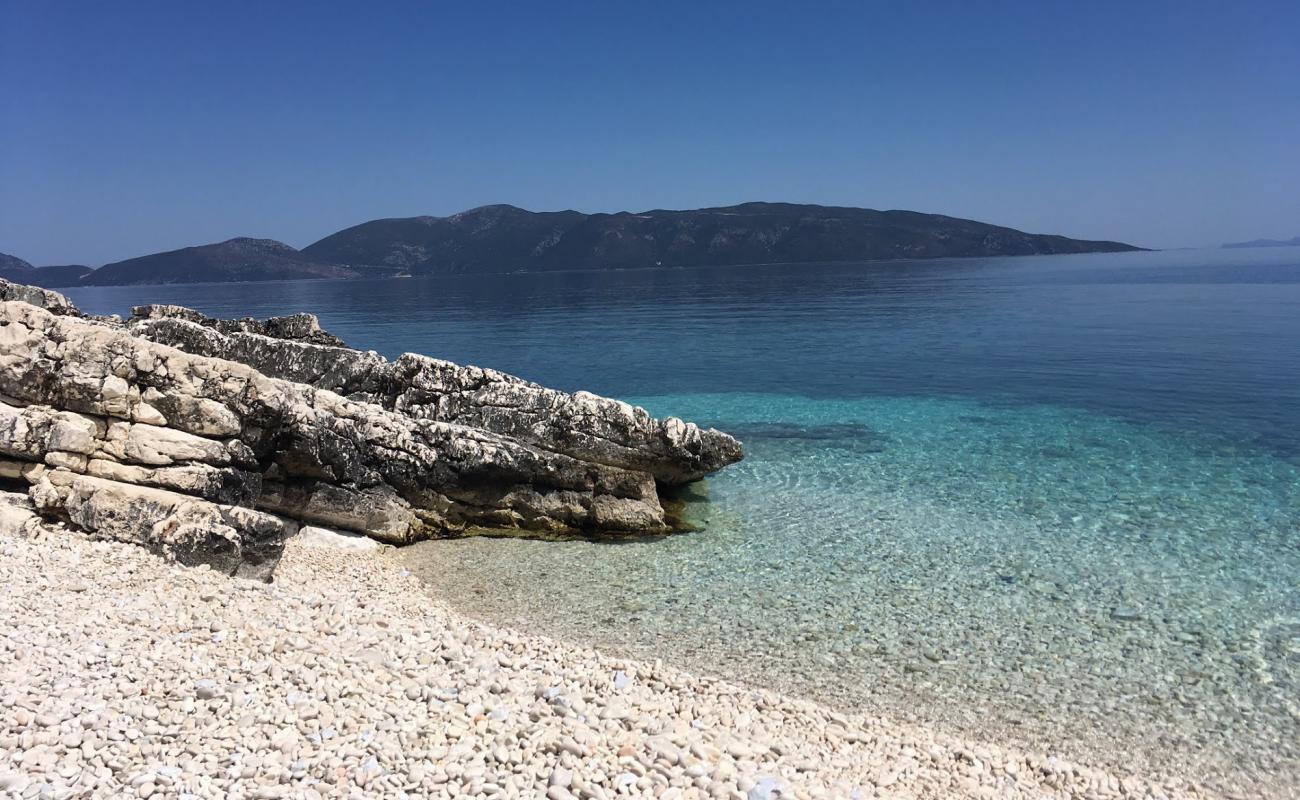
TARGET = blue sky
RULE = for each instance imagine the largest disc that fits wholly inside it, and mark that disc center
(135, 127)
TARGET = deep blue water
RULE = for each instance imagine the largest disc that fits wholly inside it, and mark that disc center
(1206, 338)
(1048, 500)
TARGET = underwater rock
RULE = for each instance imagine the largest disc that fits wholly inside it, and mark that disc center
(1126, 614)
(847, 435)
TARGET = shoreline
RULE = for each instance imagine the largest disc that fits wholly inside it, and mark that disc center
(579, 593)
(127, 675)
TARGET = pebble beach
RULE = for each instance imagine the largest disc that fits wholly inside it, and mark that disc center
(125, 675)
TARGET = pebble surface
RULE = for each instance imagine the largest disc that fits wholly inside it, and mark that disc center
(123, 675)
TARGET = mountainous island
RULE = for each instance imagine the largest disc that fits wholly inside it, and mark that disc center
(240, 259)
(504, 238)
(1292, 242)
(17, 270)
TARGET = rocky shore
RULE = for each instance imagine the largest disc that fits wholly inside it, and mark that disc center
(213, 440)
(219, 445)
(124, 675)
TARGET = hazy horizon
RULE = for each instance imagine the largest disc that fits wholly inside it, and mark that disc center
(153, 127)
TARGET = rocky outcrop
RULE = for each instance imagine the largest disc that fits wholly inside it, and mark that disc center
(348, 372)
(233, 539)
(238, 259)
(581, 425)
(294, 327)
(53, 302)
(213, 440)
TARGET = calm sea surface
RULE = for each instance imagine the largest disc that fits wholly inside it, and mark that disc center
(1051, 500)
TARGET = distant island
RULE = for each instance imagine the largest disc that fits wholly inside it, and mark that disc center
(231, 261)
(504, 238)
(15, 269)
(1292, 242)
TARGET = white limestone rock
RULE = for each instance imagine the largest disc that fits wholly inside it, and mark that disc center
(188, 434)
(581, 425)
(231, 539)
(324, 537)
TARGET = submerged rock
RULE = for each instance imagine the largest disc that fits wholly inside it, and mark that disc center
(1126, 614)
(213, 440)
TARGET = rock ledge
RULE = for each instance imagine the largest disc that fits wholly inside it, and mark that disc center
(215, 440)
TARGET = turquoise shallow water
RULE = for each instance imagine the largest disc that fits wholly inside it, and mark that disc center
(1050, 501)
(1060, 579)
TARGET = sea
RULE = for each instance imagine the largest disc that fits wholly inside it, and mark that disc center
(1047, 501)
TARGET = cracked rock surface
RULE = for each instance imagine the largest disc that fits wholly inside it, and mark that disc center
(213, 440)
(581, 425)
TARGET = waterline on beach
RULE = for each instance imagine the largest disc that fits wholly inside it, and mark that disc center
(1035, 574)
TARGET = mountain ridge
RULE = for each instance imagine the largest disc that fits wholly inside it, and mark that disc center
(242, 258)
(13, 268)
(503, 238)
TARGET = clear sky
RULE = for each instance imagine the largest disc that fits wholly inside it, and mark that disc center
(133, 127)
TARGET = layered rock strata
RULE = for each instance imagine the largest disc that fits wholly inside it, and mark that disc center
(581, 425)
(296, 327)
(213, 440)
